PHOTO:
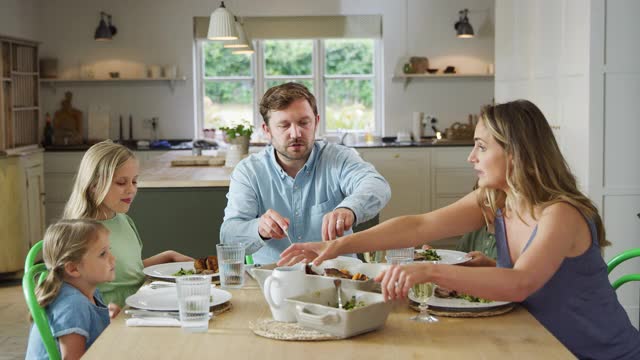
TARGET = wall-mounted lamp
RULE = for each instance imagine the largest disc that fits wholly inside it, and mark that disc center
(222, 25)
(462, 26)
(105, 31)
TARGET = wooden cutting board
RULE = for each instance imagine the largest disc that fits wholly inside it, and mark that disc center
(198, 161)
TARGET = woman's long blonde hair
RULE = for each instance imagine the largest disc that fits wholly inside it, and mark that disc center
(538, 175)
(65, 241)
(94, 178)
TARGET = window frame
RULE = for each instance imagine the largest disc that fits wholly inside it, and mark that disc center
(258, 80)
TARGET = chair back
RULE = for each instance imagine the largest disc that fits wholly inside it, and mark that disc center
(617, 260)
(31, 271)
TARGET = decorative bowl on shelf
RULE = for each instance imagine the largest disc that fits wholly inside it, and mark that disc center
(432, 71)
(114, 74)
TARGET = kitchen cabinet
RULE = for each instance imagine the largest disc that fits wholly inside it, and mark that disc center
(21, 207)
(406, 171)
(19, 95)
(422, 179)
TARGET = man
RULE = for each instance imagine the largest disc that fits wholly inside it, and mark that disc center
(297, 189)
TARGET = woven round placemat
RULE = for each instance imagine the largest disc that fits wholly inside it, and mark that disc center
(465, 314)
(272, 329)
(219, 309)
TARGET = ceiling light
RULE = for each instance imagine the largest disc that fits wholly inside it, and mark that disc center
(222, 25)
(247, 50)
(241, 42)
(462, 26)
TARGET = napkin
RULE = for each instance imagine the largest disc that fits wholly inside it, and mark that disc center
(153, 321)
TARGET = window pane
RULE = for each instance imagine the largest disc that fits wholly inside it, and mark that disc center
(288, 57)
(219, 61)
(349, 56)
(307, 83)
(227, 103)
(349, 105)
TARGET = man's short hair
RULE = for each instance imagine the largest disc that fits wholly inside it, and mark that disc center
(281, 96)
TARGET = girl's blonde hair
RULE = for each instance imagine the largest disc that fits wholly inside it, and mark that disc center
(538, 175)
(65, 241)
(94, 178)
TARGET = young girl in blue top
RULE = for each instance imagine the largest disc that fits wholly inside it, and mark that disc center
(106, 184)
(77, 255)
(549, 237)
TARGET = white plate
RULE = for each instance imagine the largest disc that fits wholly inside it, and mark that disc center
(449, 257)
(166, 271)
(462, 304)
(166, 299)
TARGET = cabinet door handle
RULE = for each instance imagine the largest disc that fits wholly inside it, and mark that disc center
(638, 215)
(396, 156)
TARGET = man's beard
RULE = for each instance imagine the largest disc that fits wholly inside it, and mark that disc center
(285, 154)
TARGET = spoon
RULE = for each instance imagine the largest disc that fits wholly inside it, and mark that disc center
(288, 238)
(338, 284)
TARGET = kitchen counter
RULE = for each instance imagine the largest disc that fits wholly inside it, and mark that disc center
(158, 173)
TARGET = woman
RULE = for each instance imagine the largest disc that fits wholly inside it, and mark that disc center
(548, 236)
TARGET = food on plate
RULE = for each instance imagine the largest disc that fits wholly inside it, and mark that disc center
(183, 272)
(342, 274)
(208, 265)
(445, 293)
(426, 255)
(351, 304)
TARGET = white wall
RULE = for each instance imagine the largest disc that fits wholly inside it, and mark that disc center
(579, 65)
(543, 57)
(19, 19)
(160, 32)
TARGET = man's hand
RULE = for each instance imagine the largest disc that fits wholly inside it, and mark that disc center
(336, 222)
(272, 225)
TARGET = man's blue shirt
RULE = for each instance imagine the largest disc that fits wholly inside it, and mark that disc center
(333, 177)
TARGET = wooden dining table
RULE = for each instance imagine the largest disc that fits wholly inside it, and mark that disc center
(514, 335)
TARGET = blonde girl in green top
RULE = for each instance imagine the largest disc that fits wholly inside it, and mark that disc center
(105, 187)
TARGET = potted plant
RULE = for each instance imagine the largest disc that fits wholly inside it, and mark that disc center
(238, 135)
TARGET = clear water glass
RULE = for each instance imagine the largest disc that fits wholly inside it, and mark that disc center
(231, 261)
(400, 256)
(194, 299)
(421, 293)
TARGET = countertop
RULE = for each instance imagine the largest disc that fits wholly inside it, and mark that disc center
(132, 146)
(158, 173)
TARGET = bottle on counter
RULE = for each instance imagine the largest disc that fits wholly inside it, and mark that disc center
(48, 130)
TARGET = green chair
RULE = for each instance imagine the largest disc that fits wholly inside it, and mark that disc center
(38, 314)
(629, 254)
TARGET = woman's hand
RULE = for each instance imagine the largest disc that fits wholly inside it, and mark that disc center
(114, 310)
(398, 279)
(307, 252)
(479, 259)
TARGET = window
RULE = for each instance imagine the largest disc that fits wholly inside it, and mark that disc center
(341, 73)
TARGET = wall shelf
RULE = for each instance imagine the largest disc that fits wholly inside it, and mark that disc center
(55, 83)
(408, 77)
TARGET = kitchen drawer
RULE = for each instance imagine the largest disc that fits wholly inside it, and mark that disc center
(58, 186)
(62, 162)
(374, 155)
(453, 181)
(451, 157)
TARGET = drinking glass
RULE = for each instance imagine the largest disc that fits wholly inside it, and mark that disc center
(194, 299)
(231, 260)
(400, 256)
(421, 293)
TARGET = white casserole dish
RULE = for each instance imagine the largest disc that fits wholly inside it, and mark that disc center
(313, 311)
